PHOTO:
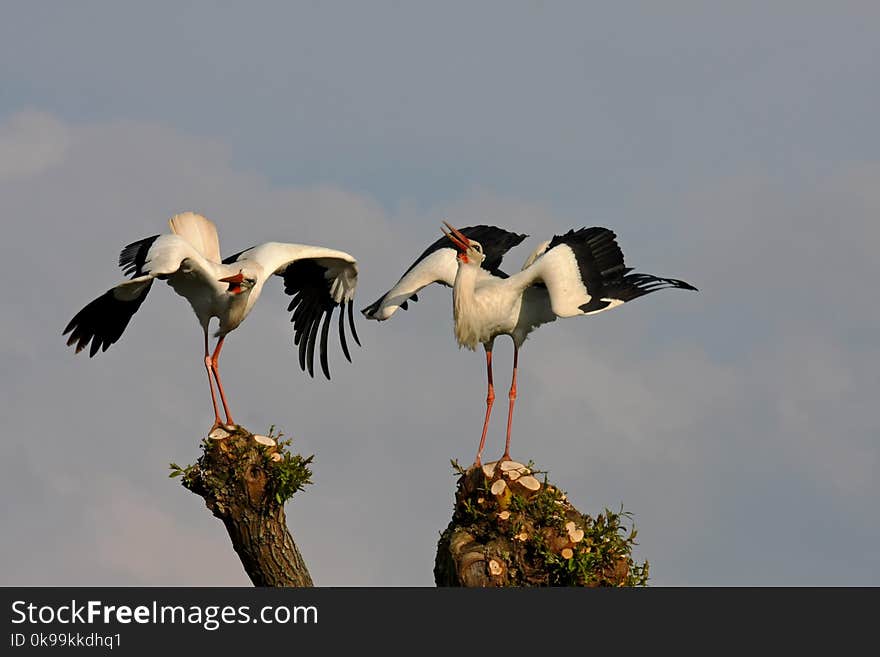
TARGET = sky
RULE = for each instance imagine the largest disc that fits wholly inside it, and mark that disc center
(732, 145)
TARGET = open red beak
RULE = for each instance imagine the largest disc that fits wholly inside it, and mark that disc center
(235, 278)
(457, 237)
(234, 282)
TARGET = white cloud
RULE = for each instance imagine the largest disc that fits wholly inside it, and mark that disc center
(146, 545)
(31, 143)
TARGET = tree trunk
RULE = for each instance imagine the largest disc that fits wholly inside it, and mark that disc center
(511, 529)
(245, 479)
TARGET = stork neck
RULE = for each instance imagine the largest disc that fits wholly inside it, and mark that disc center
(463, 288)
(466, 311)
(238, 307)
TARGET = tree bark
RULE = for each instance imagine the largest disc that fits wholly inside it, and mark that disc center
(245, 483)
(509, 529)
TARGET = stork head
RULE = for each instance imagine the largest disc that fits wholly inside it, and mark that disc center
(469, 251)
(239, 283)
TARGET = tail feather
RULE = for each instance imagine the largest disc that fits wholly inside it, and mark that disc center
(198, 231)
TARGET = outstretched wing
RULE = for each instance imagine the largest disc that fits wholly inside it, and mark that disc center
(319, 280)
(584, 273)
(103, 321)
(437, 264)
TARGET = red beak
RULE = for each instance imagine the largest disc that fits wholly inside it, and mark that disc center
(235, 278)
(234, 282)
(457, 237)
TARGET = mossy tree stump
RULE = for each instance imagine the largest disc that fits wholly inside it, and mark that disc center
(510, 528)
(245, 479)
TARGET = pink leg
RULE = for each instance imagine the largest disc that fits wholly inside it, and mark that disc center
(214, 360)
(217, 421)
(512, 397)
(490, 399)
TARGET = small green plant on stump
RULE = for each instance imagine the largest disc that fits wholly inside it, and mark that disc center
(245, 480)
(510, 528)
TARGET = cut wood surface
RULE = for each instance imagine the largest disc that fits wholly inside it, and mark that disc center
(245, 479)
(510, 527)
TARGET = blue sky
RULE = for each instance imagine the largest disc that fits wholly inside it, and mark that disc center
(735, 147)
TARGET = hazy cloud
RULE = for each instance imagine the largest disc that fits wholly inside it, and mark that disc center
(31, 142)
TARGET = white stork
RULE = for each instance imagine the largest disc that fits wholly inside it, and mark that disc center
(579, 273)
(188, 259)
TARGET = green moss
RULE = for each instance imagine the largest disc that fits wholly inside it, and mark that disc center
(535, 528)
(225, 466)
(291, 474)
(602, 558)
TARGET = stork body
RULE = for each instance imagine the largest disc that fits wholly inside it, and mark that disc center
(579, 273)
(188, 259)
(486, 307)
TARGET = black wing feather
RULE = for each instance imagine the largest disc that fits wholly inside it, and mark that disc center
(342, 332)
(102, 321)
(133, 257)
(495, 241)
(305, 281)
(599, 258)
(603, 270)
(325, 330)
(313, 335)
(354, 332)
(633, 286)
(228, 260)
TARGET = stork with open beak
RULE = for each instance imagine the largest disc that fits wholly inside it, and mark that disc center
(579, 273)
(188, 259)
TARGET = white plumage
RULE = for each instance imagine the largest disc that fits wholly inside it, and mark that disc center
(199, 231)
(188, 259)
(579, 273)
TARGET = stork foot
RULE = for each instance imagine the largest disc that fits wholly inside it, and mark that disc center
(229, 425)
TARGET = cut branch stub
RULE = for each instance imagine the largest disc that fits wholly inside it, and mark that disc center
(529, 483)
(510, 529)
(218, 433)
(245, 479)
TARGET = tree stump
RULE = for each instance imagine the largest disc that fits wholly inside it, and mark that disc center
(511, 528)
(245, 479)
